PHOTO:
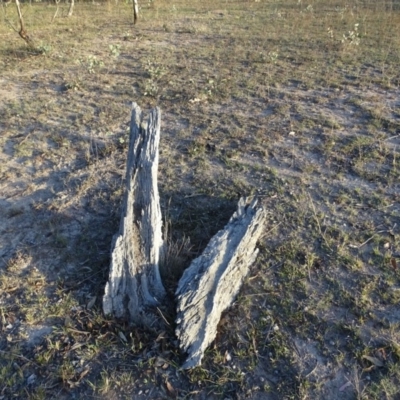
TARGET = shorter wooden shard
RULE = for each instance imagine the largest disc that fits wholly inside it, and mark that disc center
(210, 284)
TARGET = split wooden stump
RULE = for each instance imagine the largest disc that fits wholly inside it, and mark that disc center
(208, 286)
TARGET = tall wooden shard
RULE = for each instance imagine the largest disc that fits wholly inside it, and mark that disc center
(134, 288)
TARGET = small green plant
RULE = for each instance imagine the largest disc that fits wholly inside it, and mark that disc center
(91, 63)
(209, 88)
(309, 8)
(155, 72)
(151, 88)
(352, 38)
(273, 56)
(127, 35)
(115, 50)
(74, 84)
(23, 149)
(44, 49)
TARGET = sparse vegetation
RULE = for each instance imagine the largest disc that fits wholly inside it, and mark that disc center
(296, 102)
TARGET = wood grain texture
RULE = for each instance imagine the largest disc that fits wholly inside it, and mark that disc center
(134, 286)
(209, 286)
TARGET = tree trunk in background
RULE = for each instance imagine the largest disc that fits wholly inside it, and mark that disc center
(209, 286)
(135, 11)
(71, 8)
(134, 289)
(22, 32)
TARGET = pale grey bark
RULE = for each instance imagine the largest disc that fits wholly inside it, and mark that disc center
(71, 8)
(135, 11)
(208, 287)
(22, 32)
(55, 14)
(134, 287)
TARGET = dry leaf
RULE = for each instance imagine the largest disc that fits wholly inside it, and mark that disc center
(83, 373)
(382, 353)
(170, 388)
(122, 337)
(161, 336)
(31, 379)
(11, 318)
(374, 360)
(369, 369)
(77, 346)
(346, 385)
(72, 384)
(159, 362)
(394, 263)
(91, 302)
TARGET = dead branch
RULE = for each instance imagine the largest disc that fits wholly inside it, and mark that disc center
(22, 32)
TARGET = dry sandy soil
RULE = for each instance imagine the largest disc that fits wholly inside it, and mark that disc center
(297, 104)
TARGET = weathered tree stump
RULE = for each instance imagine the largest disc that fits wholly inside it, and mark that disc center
(134, 288)
(208, 287)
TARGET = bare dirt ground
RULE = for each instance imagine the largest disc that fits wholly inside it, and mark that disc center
(297, 104)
